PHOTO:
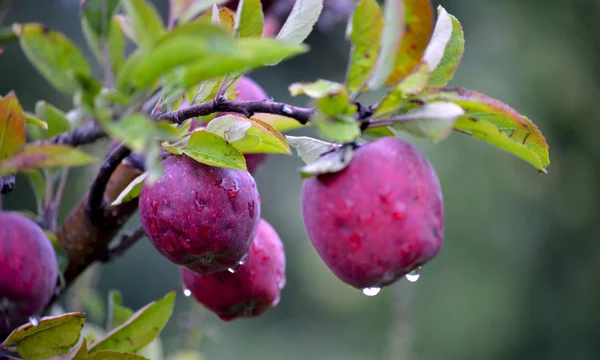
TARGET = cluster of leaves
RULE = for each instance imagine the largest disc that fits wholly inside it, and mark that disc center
(127, 336)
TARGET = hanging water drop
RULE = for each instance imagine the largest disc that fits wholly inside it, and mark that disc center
(35, 321)
(372, 291)
(414, 275)
(187, 292)
(234, 269)
(244, 260)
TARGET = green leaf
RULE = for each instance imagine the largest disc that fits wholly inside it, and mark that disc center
(12, 126)
(125, 26)
(495, 122)
(137, 131)
(98, 14)
(300, 22)
(171, 148)
(249, 135)
(31, 120)
(117, 313)
(53, 336)
(54, 55)
(412, 84)
(211, 149)
(417, 33)
(434, 120)
(145, 21)
(141, 329)
(364, 30)
(62, 258)
(331, 162)
(279, 122)
(38, 185)
(88, 89)
(445, 49)
(186, 10)
(108, 47)
(375, 133)
(44, 156)
(341, 129)
(131, 191)
(78, 353)
(56, 119)
(115, 355)
(332, 98)
(249, 19)
(186, 355)
(247, 54)
(309, 149)
(203, 91)
(389, 43)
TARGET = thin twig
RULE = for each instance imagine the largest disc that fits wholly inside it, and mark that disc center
(248, 108)
(127, 241)
(95, 204)
(61, 187)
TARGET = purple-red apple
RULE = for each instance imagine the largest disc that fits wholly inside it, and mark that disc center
(201, 217)
(251, 290)
(28, 270)
(379, 218)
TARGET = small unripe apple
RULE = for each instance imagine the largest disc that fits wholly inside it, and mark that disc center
(199, 216)
(251, 290)
(28, 270)
(379, 218)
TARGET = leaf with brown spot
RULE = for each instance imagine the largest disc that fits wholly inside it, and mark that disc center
(12, 126)
(417, 33)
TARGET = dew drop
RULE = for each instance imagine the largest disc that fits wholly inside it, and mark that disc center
(234, 269)
(186, 243)
(372, 291)
(231, 186)
(187, 292)
(244, 260)
(199, 206)
(414, 275)
(251, 206)
(154, 205)
(34, 320)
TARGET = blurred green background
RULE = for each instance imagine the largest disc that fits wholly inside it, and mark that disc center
(517, 276)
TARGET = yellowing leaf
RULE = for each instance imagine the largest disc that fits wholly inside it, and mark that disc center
(12, 126)
(249, 19)
(140, 330)
(417, 32)
(212, 149)
(412, 84)
(446, 48)
(44, 156)
(54, 55)
(53, 336)
(364, 30)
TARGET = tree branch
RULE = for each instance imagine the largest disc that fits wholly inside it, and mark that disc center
(127, 241)
(248, 108)
(85, 134)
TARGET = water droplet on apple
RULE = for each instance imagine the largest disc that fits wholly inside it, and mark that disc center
(34, 320)
(199, 206)
(414, 275)
(187, 292)
(244, 259)
(186, 243)
(371, 291)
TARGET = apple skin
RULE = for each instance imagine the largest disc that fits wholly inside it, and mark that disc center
(379, 218)
(28, 270)
(201, 217)
(253, 289)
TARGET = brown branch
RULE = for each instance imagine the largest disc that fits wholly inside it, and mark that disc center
(85, 134)
(248, 108)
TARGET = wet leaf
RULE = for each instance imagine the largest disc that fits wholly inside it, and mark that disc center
(145, 21)
(56, 119)
(62, 258)
(53, 336)
(332, 162)
(53, 55)
(412, 84)
(212, 149)
(434, 121)
(78, 353)
(417, 33)
(364, 30)
(141, 329)
(44, 156)
(300, 22)
(493, 121)
(115, 355)
(446, 48)
(310, 149)
(249, 19)
(117, 313)
(131, 191)
(12, 126)
(391, 38)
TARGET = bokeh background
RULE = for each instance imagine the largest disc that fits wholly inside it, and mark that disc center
(517, 277)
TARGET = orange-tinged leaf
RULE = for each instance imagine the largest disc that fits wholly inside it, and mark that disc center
(12, 126)
(417, 33)
(44, 156)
